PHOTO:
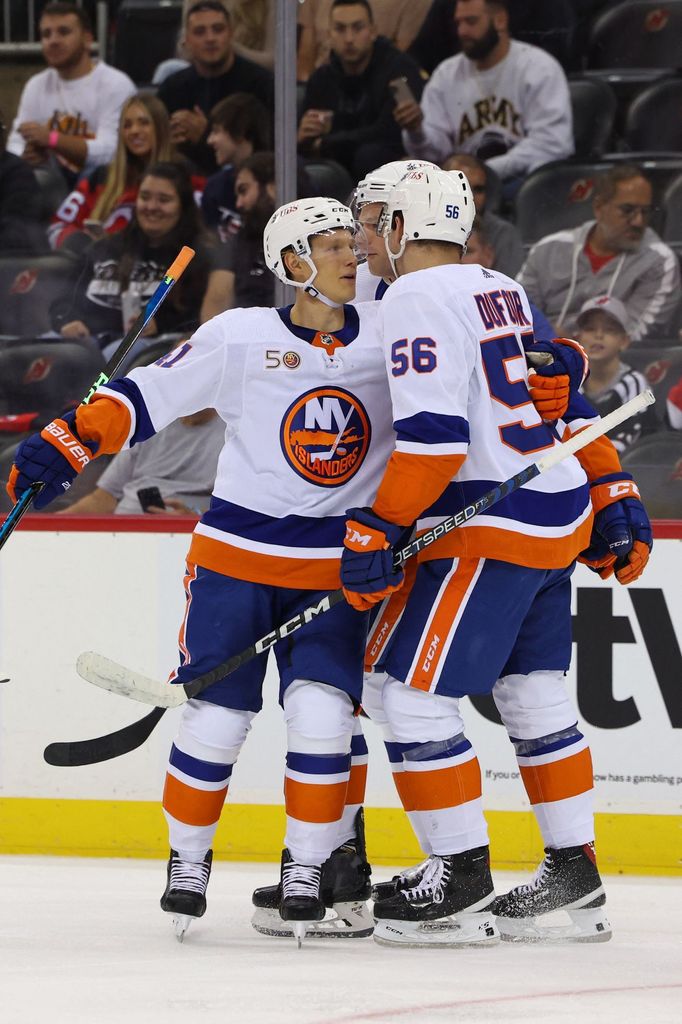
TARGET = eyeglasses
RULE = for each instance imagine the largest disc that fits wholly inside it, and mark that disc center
(630, 210)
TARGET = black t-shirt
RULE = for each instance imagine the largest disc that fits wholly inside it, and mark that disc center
(97, 297)
(219, 203)
(187, 89)
(254, 285)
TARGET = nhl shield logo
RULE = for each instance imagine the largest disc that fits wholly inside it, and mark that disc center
(325, 436)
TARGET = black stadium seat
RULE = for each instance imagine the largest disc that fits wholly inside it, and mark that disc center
(637, 34)
(654, 119)
(327, 178)
(47, 377)
(594, 108)
(661, 367)
(28, 286)
(146, 33)
(656, 465)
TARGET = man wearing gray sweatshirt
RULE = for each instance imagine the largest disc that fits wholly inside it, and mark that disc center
(615, 254)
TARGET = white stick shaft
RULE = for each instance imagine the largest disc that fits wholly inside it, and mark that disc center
(584, 437)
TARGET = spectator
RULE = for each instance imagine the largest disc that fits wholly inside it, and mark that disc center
(240, 126)
(181, 460)
(615, 254)
(20, 208)
(603, 329)
(348, 101)
(248, 281)
(549, 25)
(104, 200)
(674, 405)
(397, 20)
(122, 270)
(503, 236)
(215, 72)
(505, 101)
(480, 250)
(68, 113)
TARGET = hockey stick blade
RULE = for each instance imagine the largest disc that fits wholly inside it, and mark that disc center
(109, 674)
(103, 748)
(114, 678)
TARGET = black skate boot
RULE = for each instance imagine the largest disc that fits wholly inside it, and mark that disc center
(567, 880)
(407, 879)
(185, 895)
(301, 901)
(345, 887)
(449, 905)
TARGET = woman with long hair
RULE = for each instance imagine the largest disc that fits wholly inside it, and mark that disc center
(122, 270)
(103, 202)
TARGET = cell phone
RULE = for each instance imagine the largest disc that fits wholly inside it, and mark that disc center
(150, 496)
(401, 91)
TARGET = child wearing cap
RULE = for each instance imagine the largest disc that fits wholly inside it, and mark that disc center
(603, 329)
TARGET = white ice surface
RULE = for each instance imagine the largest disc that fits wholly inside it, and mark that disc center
(85, 941)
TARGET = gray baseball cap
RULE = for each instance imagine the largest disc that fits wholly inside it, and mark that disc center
(614, 307)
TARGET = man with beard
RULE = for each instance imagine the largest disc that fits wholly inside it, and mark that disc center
(504, 101)
(248, 282)
(68, 114)
(617, 254)
(215, 72)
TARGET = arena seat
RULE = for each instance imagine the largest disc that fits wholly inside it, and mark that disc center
(328, 178)
(146, 34)
(661, 366)
(45, 376)
(28, 286)
(654, 118)
(594, 109)
(656, 465)
(637, 34)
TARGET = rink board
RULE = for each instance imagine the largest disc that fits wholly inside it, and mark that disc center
(120, 593)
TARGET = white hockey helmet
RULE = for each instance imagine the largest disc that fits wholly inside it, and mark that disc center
(376, 186)
(293, 225)
(435, 205)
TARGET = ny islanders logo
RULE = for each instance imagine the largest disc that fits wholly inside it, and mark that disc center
(325, 435)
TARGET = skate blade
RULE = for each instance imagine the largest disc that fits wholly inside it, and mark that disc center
(299, 929)
(181, 923)
(462, 930)
(586, 926)
(351, 920)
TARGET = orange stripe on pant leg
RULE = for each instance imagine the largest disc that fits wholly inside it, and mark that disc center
(401, 781)
(320, 804)
(395, 606)
(357, 784)
(446, 612)
(192, 806)
(445, 787)
(560, 779)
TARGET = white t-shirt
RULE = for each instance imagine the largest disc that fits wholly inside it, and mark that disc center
(88, 107)
(519, 109)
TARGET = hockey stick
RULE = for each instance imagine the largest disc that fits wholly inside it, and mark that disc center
(117, 679)
(172, 275)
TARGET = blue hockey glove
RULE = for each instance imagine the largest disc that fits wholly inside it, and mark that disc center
(56, 456)
(621, 538)
(367, 573)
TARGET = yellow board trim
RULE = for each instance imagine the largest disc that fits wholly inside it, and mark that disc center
(637, 844)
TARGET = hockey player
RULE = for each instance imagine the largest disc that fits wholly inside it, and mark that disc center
(303, 394)
(345, 876)
(490, 608)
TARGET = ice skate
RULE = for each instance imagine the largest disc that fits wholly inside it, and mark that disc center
(301, 902)
(450, 905)
(567, 880)
(345, 888)
(406, 879)
(185, 894)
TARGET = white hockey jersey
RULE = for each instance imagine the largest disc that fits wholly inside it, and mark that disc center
(307, 435)
(368, 287)
(458, 376)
